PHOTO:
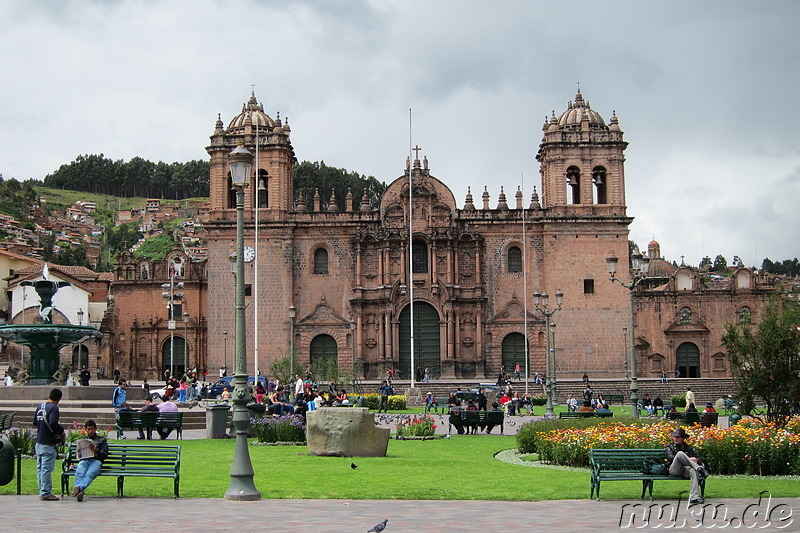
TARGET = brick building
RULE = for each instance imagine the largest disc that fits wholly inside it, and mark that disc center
(344, 267)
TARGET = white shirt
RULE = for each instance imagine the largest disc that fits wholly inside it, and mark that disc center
(298, 386)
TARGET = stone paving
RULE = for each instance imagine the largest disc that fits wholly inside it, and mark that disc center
(100, 514)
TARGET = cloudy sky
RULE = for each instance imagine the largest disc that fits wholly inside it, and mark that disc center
(704, 91)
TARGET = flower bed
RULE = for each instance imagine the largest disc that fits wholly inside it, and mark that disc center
(416, 426)
(751, 447)
(290, 428)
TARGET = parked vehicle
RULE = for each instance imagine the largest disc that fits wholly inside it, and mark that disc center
(215, 390)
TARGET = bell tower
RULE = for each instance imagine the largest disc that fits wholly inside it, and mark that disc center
(270, 186)
(582, 160)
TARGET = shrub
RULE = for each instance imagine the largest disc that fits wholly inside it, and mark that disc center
(539, 400)
(23, 440)
(417, 426)
(396, 402)
(288, 428)
(679, 400)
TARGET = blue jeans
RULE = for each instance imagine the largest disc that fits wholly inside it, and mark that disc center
(181, 395)
(45, 464)
(86, 471)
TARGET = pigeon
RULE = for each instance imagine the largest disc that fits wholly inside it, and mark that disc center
(353, 466)
(378, 527)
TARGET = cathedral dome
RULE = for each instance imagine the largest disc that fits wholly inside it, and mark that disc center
(255, 112)
(660, 268)
(572, 117)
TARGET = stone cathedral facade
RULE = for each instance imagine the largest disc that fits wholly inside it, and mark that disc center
(345, 267)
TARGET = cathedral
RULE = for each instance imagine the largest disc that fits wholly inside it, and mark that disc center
(333, 279)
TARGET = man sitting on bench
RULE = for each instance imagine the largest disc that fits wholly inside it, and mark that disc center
(684, 462)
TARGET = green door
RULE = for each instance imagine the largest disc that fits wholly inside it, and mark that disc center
(426, 340)
(514, 352)
(324, 357)
(687, 359)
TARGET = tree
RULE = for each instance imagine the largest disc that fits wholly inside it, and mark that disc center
(765, 362)
(720, 264)
(310, 177)
(705, 263)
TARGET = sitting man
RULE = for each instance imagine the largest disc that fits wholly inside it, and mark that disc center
(166, 406)
(495, 409)
(89, 467)
(149, 407)
(658, 405)
(684, 462)
(572, 403)
(431, 404)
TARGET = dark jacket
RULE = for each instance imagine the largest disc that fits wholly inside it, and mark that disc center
(672, 449)
(51, 414)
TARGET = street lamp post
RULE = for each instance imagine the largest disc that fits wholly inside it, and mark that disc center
(639, 265)
(292, 314)
(549, 365)
(225, 351)
(242, 486)
(186, 339)
(170, 298)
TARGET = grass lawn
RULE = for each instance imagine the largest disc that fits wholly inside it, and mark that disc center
(459, 468)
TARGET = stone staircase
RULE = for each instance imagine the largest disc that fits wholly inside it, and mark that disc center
(705, 389)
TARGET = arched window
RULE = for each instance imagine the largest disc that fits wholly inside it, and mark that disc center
(573, 185)
(686, 316)
(599, 181)
(419, 257)
(745, 316)
(320, 261)
(262, 189)
(514, 259)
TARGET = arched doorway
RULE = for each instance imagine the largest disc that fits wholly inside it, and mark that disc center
(80, 357)
(426, 340)
(178, 353)
(324, 356)
(687, 359)
(514, 352)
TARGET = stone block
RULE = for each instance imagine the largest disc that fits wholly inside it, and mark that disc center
(345, 432)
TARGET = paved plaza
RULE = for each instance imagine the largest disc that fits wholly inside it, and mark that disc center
(99, 514)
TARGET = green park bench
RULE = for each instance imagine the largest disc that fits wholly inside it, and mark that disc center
(131, 460)
(704, 419)
(617, 399)
(151, 420)
(626, 465)
(577, 414)
(6, 421)
(475, 419)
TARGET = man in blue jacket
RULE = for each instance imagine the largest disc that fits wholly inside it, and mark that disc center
(48, 434)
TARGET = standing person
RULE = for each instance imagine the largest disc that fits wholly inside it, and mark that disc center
(482, 401)
(385, 390)
(689, 396)
(182, 386)
(517, 373)
(684, 462)
(117, 374)
(426, 376)
(85, 376)
(119, 397)
(299, 387)
(167, 375)
(89, 467)
(48, 433)
(146, 387)
(260, 391)
(390, 375)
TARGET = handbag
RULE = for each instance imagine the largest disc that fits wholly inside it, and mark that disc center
(653, 467)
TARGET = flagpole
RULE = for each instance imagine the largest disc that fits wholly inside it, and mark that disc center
(525, 280)
(255, 264)
(410, 277)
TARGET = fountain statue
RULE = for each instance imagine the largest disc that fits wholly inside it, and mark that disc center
(45, 339)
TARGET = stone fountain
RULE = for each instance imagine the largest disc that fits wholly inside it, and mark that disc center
(46, 339)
